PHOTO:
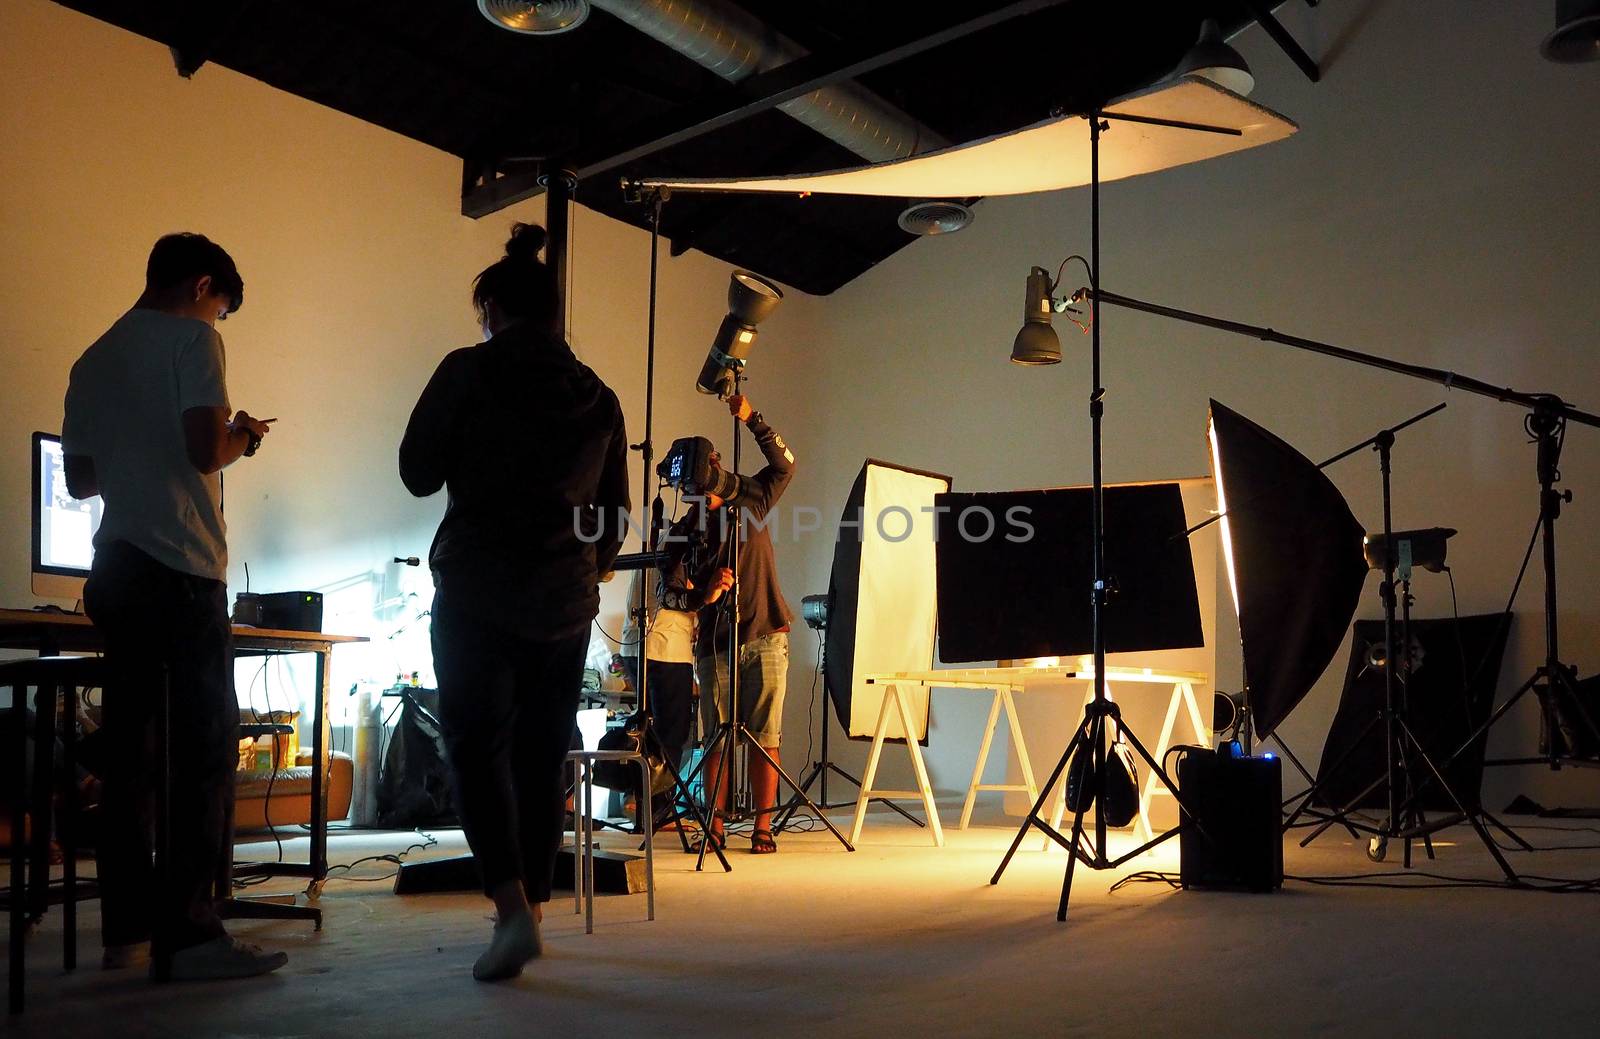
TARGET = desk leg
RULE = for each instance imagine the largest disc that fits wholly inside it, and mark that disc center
(320, 777)
(983, 758)
(864, 798)
(922, 771)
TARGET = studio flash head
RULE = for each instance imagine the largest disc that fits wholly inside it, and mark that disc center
(751, 299)
(814, 611)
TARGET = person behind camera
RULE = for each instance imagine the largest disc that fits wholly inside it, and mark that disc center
(147, 428)
(697, 576)
(530, 445)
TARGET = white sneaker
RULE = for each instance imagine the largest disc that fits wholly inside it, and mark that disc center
(221, 958)
(515, 942)
(120, 957)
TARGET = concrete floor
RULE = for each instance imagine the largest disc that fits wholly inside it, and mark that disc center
(897, 941)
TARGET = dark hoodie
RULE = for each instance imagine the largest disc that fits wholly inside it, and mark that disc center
(523, 435)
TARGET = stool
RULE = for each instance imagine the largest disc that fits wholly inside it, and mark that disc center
(583, 831)
(259, 907)
(30, 881)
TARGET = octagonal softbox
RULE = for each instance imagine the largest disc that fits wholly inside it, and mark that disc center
(1295, 562)
(883, 612)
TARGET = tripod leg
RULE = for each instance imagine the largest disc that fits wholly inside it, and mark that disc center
(1503, 828)
(1177, 795)
(1470, 816)
(709, 837)
(786, 813)
(1316, 787)
(1078, 738)
(702, 817)
(680, 796)
(799, 793)
(1072, 864)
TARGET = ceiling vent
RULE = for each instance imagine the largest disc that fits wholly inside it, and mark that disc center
(533, 18)
(935, 216)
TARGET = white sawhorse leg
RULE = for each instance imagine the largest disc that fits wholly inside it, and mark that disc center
(1182, 693)
(893, 701)
(1002, 701)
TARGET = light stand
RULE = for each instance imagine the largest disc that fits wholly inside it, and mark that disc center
(1402, 748)
(1547, 420)
(733, 735)
(680, 789)
(1554, 683)
(1101, 714)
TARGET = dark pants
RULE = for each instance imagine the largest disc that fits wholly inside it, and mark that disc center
(155, 620)
(508, 705)
(671, 692)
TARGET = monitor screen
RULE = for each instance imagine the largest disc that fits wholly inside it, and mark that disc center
(63, 527)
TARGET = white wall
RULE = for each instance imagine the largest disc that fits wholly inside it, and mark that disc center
(357, 268)
(1437, 206)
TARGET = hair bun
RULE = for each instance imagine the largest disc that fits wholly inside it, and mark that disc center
(525, 242)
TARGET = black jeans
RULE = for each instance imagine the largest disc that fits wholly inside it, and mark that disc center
(153, 620)
(508, 705)
(671, 693)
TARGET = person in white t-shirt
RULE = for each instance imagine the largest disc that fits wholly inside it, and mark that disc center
(147, 428)
(668, 654)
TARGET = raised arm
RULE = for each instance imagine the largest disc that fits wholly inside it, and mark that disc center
(766, 487)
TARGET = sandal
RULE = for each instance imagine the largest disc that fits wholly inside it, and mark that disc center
(761, 843)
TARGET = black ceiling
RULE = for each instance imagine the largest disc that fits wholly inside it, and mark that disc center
(440, 73)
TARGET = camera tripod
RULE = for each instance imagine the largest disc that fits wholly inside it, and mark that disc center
(733, 734)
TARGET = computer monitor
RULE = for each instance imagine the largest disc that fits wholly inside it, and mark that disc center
(63, 526)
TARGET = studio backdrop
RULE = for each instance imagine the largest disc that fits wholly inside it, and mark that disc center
(883, 613)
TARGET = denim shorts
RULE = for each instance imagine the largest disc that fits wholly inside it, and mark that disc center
(763, 673)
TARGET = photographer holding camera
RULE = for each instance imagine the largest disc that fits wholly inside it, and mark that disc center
(698, 578)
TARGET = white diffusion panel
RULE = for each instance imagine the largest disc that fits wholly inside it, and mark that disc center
(896, 616)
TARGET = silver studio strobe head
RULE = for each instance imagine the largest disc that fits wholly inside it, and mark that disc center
(814, 611)
(751, 299)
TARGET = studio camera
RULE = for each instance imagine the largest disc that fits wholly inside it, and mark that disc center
(690, 466)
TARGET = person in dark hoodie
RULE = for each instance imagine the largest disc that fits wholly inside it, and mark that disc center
(530, 445)
(695, 575)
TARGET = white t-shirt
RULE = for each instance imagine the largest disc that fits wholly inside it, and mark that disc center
(671, 636)
(124, 410)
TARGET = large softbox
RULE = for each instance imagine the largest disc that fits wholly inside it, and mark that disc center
(883, 611)
(1016, 568)
(1295, 562)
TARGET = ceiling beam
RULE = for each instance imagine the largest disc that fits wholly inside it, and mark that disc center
(1281, 36)
(759, 93)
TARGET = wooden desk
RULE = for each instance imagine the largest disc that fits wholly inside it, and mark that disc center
(1004, 683)
(48, 634)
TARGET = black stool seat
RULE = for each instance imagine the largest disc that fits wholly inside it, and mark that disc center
(30, 880)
